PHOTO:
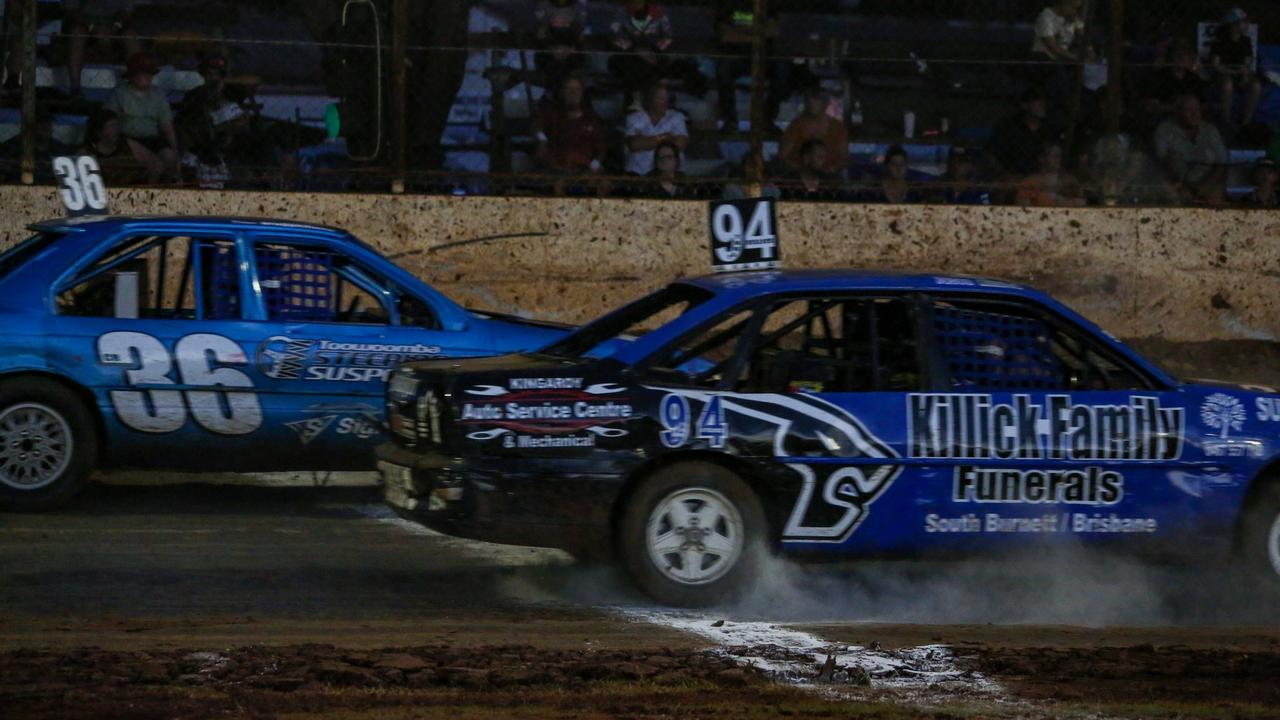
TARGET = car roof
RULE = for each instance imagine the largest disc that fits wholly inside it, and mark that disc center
(108, 223)
(768, 282)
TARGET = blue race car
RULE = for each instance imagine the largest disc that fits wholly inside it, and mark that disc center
(208, 344)
(832, 414)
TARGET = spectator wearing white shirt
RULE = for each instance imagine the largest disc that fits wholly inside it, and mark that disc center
(653, 125)
(1057, 38)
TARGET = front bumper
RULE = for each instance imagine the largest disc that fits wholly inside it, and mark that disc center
(553, 504)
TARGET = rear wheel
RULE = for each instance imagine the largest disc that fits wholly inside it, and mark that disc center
(691, 534)
(47, 444)
(1260, 544)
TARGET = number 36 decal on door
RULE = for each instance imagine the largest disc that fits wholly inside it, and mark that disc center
(156, 410)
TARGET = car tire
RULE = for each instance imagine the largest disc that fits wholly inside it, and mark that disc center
(1260, 539)
(728, 527)
(48, 444)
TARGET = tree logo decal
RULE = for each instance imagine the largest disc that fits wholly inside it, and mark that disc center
(1223, 413)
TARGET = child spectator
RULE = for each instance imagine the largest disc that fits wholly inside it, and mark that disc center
(1049, 186)
(571, 137)
(145, 119)
(893, 186)
(1265, 179)
(815, 124)
(562, 29)
(643, 32)
(1232, 60)
(652, 125)
(1192, 153)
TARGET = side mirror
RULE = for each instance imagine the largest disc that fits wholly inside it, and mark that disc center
(126, 295)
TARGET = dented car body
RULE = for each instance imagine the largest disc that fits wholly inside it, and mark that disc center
(830, 414)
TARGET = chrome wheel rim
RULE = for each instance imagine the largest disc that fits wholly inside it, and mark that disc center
(1273, 545)
(35, 446)
(694, 536)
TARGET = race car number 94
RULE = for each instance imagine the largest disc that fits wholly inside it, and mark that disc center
(154, 410)
(676, 418)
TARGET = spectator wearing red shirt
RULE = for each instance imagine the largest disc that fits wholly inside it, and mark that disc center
(571, 137)
(816, 124)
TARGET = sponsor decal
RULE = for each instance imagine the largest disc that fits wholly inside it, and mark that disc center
(284, 358)
(1086, 486)
(1070, 522)
(1268, 409)
(311, 428)
(357, 419)
(1223, 413)
(976, 426)
(545, 412)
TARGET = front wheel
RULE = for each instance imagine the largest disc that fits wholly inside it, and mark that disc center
(692, 533)
(1261, 540)
(47, 444)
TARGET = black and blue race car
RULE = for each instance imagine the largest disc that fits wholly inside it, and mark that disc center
(208, 344)
(832, 414)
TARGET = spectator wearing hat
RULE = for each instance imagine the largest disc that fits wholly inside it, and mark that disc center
(814, 123)
(1231, 57)
(145, 119)
(1265, 179)
(1193, 154)
(653, 125)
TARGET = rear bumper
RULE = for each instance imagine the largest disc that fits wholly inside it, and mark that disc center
(523, 502)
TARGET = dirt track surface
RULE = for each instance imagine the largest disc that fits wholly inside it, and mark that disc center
(203, 602)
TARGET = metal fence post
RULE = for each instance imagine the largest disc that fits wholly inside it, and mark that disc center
(399, 120)
(759, 31)
(28, 92)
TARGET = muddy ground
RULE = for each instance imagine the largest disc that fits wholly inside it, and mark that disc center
(213, 602)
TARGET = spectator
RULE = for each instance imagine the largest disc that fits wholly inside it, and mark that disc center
(562, 29)
(208, 122)
(961, 180)
(1017, 142)
(812, 181)
(652, 125)
(894, 187)
(1192, 154)
(1232, 60)
(104, 140)
(106, 24)
(642, 31)
(667, 179)
(145, 119)
(1049, 186)
(571, 137)
(1057, 30)
(1179, 75)
(735, 20)
(1265, 179)
(816, 124)
(751, 171)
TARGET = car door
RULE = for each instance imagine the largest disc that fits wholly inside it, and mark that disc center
(151, 325)
(331, 329)
(1036, 431)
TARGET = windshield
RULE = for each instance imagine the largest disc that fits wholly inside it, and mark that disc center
(18, 255)
(604, 336)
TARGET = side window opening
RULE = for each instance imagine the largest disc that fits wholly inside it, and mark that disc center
(308, 284)
(707, 357)
(836, 345)
(993, 345)
(159, 278)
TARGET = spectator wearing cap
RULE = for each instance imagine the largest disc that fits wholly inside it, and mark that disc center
(653, 125)
(1231, 57)
(1049, 186)
(961, 186)
(145, 119)
(815, 123)
(641, 32)
(1265, 179)
(1192, 154)
(1016, 143)
(561, 31)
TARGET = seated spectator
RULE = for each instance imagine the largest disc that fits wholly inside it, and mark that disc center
(101, 26)
(1058, 28)
(1179, 75)
(893, 187)
(1016, 143)
(208, 121)
(145, 119)
(735, 20)
(642, 32)
(653, 125)
(47, 146)
(812, 181)
(666, 176)
(571, 137)
(1231, 57)
(104, 140)
(1265, 179)
(753, 184)
(961, 180)
(562, 29)
(1192, 154)
(816, 124)
(1049, 186)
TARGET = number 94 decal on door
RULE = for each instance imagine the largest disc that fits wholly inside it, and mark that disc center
(200, 359)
